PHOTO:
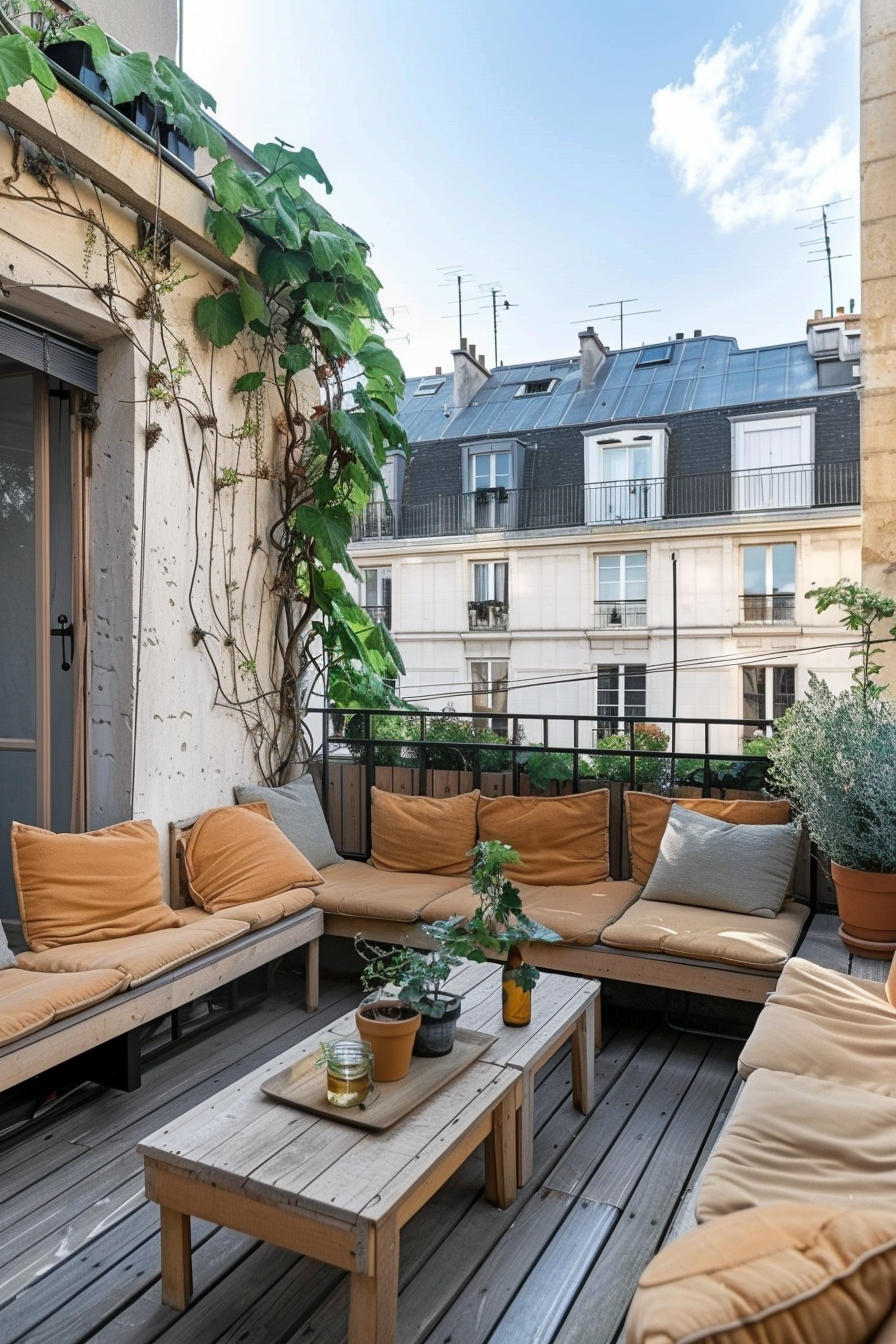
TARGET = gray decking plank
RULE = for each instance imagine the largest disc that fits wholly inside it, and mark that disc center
(823, 946)
(600, 1307)
(870, 968)
(684, 1219)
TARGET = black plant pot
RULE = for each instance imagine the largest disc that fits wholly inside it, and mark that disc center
(435, 1035)
(172, 139)
(145, 114)
(77, 59)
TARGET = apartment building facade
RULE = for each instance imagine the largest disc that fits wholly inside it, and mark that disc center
(527, 555)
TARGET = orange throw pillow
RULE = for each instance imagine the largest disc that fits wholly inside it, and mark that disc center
(422, 835)
(85, 888)
(562, 842)
(237, 854)
(646, 815)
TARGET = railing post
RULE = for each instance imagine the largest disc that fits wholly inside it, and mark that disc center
(575, 755)
(325, 763)
(706, 775)
(369, 771)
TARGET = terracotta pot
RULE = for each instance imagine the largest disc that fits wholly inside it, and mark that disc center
(391, 1041)
(867, 906)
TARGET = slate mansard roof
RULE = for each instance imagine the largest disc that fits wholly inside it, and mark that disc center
(701, 373)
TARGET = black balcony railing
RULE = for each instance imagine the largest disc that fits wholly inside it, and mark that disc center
(768, 608)
(382, 613)
(629, 614)
(822, 485)
(488, 615)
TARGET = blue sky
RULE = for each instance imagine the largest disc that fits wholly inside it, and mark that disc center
(655, 151)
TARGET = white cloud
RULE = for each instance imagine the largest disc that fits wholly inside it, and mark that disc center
(752, 170)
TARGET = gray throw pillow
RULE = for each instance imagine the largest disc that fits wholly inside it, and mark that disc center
(7, 956)
(723, 865)
(296, 809)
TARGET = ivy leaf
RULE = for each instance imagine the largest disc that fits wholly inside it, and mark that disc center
(336, 330)
(327, 249)
(225, 229)
(392, 428)
(330, 528)
(357, 335)
(322, 294)
(365, 300)
(392, 650)
(295, 358)
(235, 189)
(260, 328)
(249, 382)
(184, 100)
(375, 354)
(303, 162)
(288, 226)
(220, 318)
(20, 61)
(253, 305)
(277, 267)
(351, 432)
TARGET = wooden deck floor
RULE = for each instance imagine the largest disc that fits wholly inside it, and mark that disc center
(79, 1247)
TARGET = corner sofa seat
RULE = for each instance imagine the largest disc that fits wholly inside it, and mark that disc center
(580, 913)
(30, 1001)
(139, 957)
(259, 914)
(365, 892)
(702, 934)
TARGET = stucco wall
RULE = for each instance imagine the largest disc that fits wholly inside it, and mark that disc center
(142, 25)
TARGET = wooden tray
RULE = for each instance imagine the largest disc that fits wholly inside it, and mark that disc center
(304, 1085)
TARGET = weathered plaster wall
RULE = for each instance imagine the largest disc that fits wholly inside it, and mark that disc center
(878, 213)
(142, 25)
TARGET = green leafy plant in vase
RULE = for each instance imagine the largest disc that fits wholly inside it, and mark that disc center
(417, 979)
(497, 927)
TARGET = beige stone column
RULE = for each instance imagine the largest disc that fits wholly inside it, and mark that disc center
(878, 215)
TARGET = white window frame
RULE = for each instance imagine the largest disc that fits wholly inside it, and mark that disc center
(612, 501)
(631, 612)
(772, 485)
(615, 722)
(489, 706)
(542, 392)
(491, 584)
(767, 613)
(428, 387)
(769, 669)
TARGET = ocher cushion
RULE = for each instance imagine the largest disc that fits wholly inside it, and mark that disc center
(237, 854)
(815, 989)
(561, 841)
(580, 914)
(721, 865)
(369, 893)
(891, 983)
(296, 809)
(708, 935)
(783, 1274)
(463, 901)
(85, 888)
(142, 957)
(647, 813)
(259, 914)
(802, 1139)
(422, 835)
(29, 1001)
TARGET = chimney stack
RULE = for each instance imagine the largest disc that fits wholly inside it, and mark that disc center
(593, 354)
(482, 360)
(438, 370)
(698, 331)
(469, 374)
(679, 335)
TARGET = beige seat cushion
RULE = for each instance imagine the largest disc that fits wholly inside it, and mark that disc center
(783, 1274)
(142, 957)
(646, 815)
(29, 1001)
(237, 854)
(84, 888)
(803, 1139)
(842, 1032)
(580, 914)
(708, 935)
(463, 901)
(258, 914)
(352, 888)
(560, 841)
(422, 835)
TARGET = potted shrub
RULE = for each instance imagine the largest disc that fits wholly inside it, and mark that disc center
(418, 977)
(498, 926)
(388, 1026)
(834, 756)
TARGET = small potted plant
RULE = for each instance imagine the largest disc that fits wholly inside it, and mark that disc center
(498, 926)
(834, 757)
(418, 977)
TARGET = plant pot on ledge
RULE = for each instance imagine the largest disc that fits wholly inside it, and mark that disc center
(389, 1027)
(866, 903)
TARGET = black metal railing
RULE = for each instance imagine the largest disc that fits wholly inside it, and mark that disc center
(380, 613)
(627, 614)
(488, 615)
(821, 485)
(768, 608)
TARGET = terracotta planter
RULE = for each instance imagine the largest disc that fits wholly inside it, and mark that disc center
(867, 906)
(390, 1040)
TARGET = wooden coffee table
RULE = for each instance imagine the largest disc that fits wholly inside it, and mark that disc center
(322, 1187)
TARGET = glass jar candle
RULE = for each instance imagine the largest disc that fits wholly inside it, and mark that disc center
(349, 1065)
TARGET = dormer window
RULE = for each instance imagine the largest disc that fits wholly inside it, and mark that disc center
(428, 387)
(654, 354)
(536, 387)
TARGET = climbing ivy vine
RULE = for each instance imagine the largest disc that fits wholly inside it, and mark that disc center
(303, 311)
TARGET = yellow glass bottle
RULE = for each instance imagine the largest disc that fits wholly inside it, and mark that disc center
(516, 1003)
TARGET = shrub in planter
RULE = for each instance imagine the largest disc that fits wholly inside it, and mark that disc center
(418, 977)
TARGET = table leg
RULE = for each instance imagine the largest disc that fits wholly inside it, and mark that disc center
(312, 975)
(598, 1028)
(583, 1063)
(373, 1298)
(525, 1132)
(177, 1263)
(500, 1155)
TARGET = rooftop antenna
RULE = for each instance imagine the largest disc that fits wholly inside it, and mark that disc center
(498, 300)
(456, 275)
(622, 314)
(821, 246)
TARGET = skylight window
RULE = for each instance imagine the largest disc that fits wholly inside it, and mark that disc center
(428, 387)
(654, 354)
(537, 387)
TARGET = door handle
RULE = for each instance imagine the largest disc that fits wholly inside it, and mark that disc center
(65, 631)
